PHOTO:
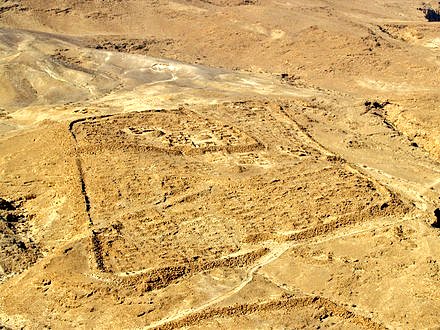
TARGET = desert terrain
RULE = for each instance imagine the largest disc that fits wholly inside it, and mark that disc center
(219, 164)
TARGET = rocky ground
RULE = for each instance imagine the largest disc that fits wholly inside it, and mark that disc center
(219, 164)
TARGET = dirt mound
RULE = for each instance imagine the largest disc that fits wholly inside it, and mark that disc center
(328, 308)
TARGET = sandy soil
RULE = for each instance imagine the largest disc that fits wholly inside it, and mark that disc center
(219, 164)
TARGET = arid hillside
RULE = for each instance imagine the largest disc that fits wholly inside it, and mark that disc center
(219, 164)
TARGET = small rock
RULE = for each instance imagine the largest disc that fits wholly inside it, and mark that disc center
(6, 205)
(436, 223)
(21, 245)
(10, 217)
(46, 282)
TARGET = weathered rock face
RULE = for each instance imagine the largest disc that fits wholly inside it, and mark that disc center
(437, 220)
(18, 251)
(431, 14)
